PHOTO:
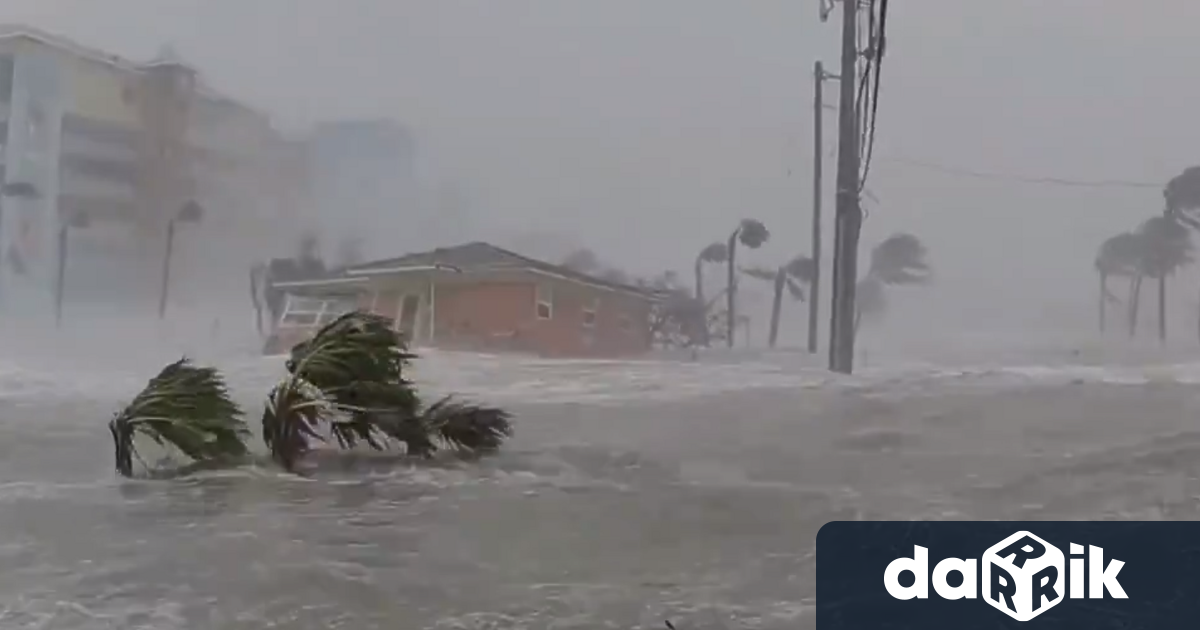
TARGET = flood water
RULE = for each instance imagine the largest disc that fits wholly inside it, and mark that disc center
(632, 493)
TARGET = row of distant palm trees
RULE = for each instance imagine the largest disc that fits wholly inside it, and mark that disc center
(693, 318)
(898, 260)
(1156, 249)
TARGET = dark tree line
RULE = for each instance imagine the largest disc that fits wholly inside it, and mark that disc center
(1158, 248)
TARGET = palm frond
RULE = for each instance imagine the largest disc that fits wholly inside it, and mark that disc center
(350, 377)
(714, 253)
(900, 259)
(802, 268)
(752, 233)
(760, 273)
(357, 360)
(291, 420)
(184, 407)
(470, 429)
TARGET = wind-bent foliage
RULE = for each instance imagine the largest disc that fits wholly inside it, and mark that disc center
(349, 376)
(1182, 195)
(1119, 256)
(712, 253)
(187, 408)
(1166, 246)
(753, 234)
(899, 260)
(793, 275)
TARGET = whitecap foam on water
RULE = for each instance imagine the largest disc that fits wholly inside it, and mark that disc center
(518, 379)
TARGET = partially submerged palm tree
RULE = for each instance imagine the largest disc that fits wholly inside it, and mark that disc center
(349, 377)
(753, 234)
(186, 408)
(346, 382)
(793, 275)
(898, 260)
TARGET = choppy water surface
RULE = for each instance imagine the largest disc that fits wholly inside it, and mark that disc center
(633, 493)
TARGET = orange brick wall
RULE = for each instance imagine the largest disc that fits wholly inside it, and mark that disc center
(502, 316)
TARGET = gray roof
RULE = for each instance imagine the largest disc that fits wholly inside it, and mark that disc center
(480, 256)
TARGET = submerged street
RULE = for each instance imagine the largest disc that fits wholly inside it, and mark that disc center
(655, 496)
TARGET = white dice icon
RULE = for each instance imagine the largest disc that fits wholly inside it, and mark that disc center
(1023, 576)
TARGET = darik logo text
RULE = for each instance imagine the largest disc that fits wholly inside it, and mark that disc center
(1023, 576)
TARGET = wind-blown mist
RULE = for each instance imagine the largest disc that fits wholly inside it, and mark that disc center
(645, 129)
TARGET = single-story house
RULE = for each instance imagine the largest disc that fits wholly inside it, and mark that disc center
(477, 297)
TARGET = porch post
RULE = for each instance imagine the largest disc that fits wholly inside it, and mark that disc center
(432, 310)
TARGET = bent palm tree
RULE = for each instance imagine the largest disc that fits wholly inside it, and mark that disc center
(349, 376)
(1118, 257)
(753, 234)
(713, 253)
(184, 407)
(793, 275)
(898, 260)
(1166, 246)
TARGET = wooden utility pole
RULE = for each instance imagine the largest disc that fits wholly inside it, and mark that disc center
(814, 290)
(848, 221)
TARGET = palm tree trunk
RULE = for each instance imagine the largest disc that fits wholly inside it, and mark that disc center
(1103, 299)
(776, 307)
(731, 296)
(1162, 309)
(1135, 298)
(702, 330)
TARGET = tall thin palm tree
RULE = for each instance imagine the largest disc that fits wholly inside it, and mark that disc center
(1166, 246)
(793, 275)
(1118, 257)
(753, 234)
(713, 253)
(1182, 197)
(898, 260)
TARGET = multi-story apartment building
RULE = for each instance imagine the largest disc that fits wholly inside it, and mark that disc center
(120, 147)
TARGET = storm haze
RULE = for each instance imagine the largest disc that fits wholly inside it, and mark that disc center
(646, 130)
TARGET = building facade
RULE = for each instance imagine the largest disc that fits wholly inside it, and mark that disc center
(477, 297)
(115, 148)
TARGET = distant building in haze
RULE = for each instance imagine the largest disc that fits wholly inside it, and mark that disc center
(118, 147)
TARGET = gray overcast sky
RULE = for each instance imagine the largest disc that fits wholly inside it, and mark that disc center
(645, 124)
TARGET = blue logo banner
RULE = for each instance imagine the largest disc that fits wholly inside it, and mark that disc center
(1028, 575)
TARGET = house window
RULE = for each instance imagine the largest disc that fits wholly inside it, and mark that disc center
(544, 302)
(307, 312)
(301, 312)
(589, 313)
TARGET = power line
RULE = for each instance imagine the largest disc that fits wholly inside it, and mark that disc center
(876, 47)
(1003, 177)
